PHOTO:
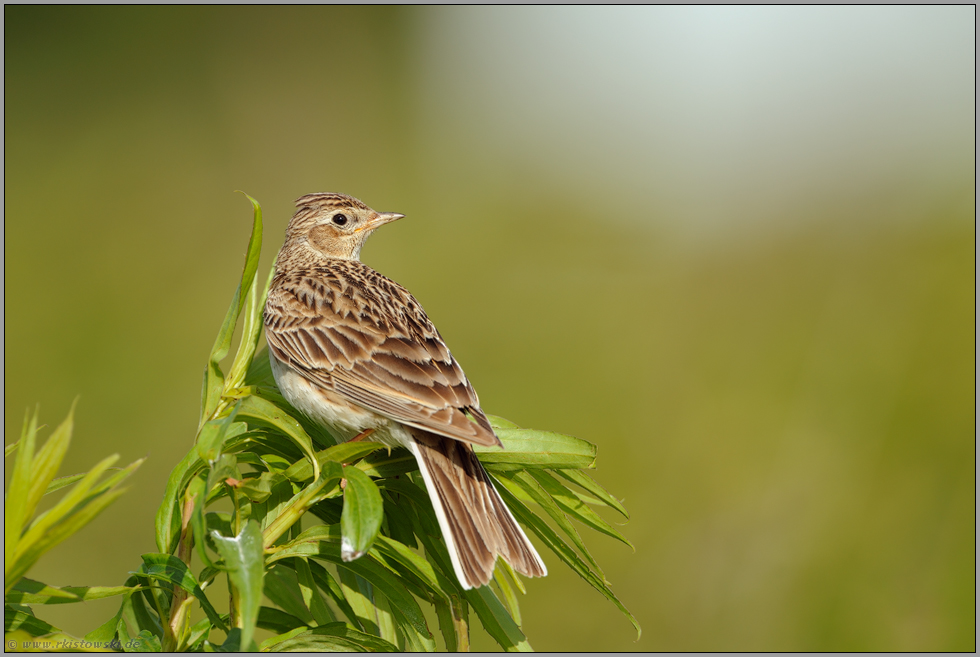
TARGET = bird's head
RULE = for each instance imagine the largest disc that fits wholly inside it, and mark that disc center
(335, 225)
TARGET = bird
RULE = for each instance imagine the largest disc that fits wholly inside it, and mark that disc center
(355, 352)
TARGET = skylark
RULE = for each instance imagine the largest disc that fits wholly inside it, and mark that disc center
(354, 350)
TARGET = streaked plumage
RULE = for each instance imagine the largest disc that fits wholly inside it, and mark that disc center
(354, 350)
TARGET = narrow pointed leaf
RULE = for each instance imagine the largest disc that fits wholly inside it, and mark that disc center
(446, 625)
(267, 413)
(278, 621)
(55, 534)
(496, 621)
(311, 593)
(565, 553)
(281, 586)
(47, 461)
(299, 504)
(76, 509)
(15, 502)
(335, 637)
(213, 435)
(197, 492)
(60, 482)
(384, 464)
(359, 594)
(545, 501)
(589, 484)
(575, 507)
(326, 582)
(251, 330)
(167, 519)
(168, 568)
(344, 453)
(507, 595)
(28, 591)
(213, 378)
(14, 619)
(403, 603)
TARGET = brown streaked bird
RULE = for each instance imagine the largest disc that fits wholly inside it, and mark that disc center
(354, 351)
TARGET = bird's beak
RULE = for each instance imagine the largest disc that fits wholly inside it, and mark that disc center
(380, 219)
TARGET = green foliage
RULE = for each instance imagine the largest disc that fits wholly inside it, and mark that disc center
(28, 537)
(371, 556)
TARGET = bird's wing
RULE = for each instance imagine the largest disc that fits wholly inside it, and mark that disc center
(348, 329)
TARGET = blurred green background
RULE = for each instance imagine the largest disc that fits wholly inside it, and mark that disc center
(733, 247)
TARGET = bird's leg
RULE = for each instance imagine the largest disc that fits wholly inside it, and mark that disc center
(361, 436)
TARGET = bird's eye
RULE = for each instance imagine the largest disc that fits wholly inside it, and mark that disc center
(340, 219)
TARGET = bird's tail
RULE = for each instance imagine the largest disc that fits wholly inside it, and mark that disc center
(475, 522)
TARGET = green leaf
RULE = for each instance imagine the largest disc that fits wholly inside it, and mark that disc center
(529, 448)
(282, 587)
(388, 464)
(15, 502)
(60, 482)
(28, 591)
(322, 542)
(496, 621)
(434, 581)
(446, 625)
(197, 491)
(168, 568)
(545, 501)
(15, 618)
(76, 509)
(420, 502)
(104, 633)
(344, 453)
(214, 381)
(260, 372)
(361, 518)
(167, 518)
(270, 644)
(326, 582)
(145, 641)
(251, 330)
(133, 615)
(359, 595)
(244, 560)
(389, 625)
(397, 525)
(278, 621)
(267, 413)
(565, 553)
(572, 505)
(311, 594)
(258, 489)
(47, 461)
(213, 435)
(302, 501)
(498, 422)
(509, 597)
(335, 637)
(198, 634)
(589, 484)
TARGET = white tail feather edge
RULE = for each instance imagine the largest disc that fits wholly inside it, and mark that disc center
(444, 522)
